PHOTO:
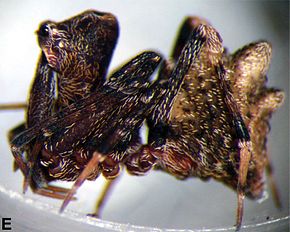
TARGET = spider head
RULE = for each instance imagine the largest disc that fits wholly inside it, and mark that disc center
(54, 44)
(86, 40)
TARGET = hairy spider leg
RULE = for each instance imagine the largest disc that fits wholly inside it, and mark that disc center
(144, 159)
(13, 106)
(189, 53)
(273, 185)
(53, 192)
(92, 165)
(244, 142)
(140, 67)
(101, 202)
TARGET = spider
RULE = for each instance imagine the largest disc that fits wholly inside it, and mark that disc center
(207, 112)
(89, 126)
(218, 124)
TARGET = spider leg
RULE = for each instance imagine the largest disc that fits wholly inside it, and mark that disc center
(245, 155)
(135, 74)
(31, 162)
(19, 160)
(188, 55)
(41, 98)
(273, 186)
(142, 161)
(88, 113)
(141, 67)
(90, 167)
(245, 144)
(189, 24)
(107, 189)
(28, 169)
(39, 108)
(13, 106)
(53, 192)
(11, 134)
(15, 131)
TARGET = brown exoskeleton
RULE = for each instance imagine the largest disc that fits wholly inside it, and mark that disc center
(207, 112)
(218, 124)
(89, 126)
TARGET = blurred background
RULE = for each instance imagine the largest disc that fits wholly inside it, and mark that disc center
(157, 201)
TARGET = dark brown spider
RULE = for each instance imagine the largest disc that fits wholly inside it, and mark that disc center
(91, 125)
(218, 124)
(207, 112)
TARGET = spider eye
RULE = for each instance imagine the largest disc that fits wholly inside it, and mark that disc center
(44, 30)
